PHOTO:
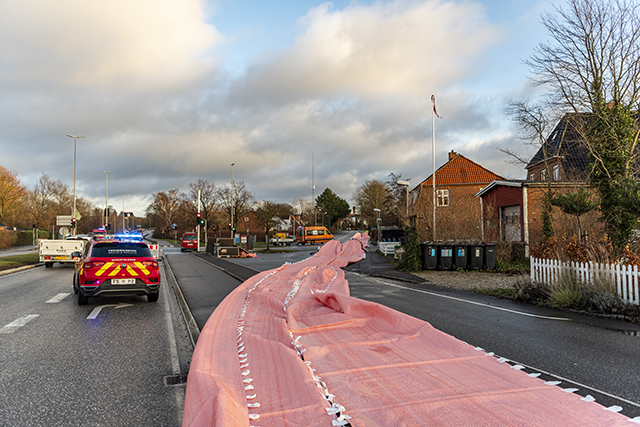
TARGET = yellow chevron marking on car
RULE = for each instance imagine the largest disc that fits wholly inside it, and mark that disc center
(142, 268)
(132, 271)
(104, 268)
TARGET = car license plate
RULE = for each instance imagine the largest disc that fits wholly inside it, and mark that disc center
(60, 257)
(123, 281)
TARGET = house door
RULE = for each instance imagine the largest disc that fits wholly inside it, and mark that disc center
(511, 229)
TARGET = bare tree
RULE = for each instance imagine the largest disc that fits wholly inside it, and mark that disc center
(592, 66)
(267, 214)
(240, 198)
(374, 194)
(164, 208)
(208, 198)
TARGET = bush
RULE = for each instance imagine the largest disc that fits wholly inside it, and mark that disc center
(526, 290)
(7, 238)
(412, 257)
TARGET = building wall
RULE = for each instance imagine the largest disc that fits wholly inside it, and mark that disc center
(458, 222)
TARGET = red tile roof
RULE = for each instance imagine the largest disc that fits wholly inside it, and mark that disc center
(460, 170)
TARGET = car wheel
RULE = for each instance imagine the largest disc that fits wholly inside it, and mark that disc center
(153, 297)
(48, 264)
(75, 285)
(82, 300)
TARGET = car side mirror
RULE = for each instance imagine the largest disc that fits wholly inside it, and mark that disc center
(75, 254)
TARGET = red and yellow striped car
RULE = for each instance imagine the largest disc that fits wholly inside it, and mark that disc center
(116, 268)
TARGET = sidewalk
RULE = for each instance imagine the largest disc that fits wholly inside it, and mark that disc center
(17, 250)
(377, 265)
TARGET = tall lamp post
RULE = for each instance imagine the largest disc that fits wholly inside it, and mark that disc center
(233, 204)
(407, 184)
(75, 143)
(106, 202)
(378, 221)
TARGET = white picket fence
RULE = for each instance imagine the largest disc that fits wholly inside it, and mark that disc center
(624, 277)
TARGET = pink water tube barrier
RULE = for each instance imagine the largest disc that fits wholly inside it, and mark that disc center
(290, 347)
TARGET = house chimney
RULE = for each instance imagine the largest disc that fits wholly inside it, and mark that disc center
(452, 154)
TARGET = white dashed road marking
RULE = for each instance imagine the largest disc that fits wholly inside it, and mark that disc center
(58, 298)
(18, 323)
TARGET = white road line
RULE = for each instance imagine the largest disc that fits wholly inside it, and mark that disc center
(18, 323)
(94, 313)
(173, 346)
(522, 313)
(58, 298)
(575, 382)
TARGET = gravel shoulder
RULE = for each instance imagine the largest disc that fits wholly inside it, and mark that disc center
(470, 280)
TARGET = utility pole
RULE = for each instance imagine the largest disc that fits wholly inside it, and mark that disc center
(106, 203)
(75, 143)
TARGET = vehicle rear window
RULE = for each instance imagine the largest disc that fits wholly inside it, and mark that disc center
(125, 249)
(189, 237)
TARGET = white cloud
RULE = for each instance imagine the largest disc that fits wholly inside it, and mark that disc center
(115, 44)
(394, 49)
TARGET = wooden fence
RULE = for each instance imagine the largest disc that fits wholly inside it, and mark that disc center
(624, 278)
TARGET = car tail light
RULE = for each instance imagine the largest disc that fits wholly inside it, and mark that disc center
(93, 264)
(150, 263)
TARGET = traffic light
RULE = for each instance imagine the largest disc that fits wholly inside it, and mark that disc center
(198, 218)
(73, 223)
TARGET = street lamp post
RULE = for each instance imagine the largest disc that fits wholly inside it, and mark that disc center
(106, 202)
(233, 205)
(75, 143)
(407, 184)
(378, 221)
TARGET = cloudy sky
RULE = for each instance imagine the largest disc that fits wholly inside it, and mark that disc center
(166, 92)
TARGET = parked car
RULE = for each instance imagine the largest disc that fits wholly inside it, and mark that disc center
(189, 242)
(116, 268)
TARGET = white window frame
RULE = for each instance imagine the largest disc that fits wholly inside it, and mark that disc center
(556, 173)
(543, 175)
(532, 177)
(443, 197)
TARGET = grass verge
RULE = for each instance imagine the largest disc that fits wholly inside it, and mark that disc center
(9, 262)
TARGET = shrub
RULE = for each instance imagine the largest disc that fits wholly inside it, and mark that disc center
(7, 238)
(526, 290)
(412, 257)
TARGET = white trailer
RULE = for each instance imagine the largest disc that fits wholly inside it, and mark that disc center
(59, 251)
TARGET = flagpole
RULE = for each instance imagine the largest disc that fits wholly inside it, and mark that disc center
(433, 156)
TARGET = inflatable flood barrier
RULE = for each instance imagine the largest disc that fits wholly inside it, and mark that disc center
(290, 347)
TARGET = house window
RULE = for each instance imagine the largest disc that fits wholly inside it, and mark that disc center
(532, 177)
(556, 173)
(543, 175)
(443, 197)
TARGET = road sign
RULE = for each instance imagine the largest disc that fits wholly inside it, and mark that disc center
(64, 231)
(63, 220)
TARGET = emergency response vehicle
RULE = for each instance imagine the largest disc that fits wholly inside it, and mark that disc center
(313, 235)
(116, 268)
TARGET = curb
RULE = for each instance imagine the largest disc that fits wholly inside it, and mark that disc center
(190, 321)
(17, 269)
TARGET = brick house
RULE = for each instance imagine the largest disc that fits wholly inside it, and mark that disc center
(458, 210)
(512, 210)
(567, 158)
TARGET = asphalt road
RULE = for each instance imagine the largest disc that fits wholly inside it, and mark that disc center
(114, 362)
(597, 356)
